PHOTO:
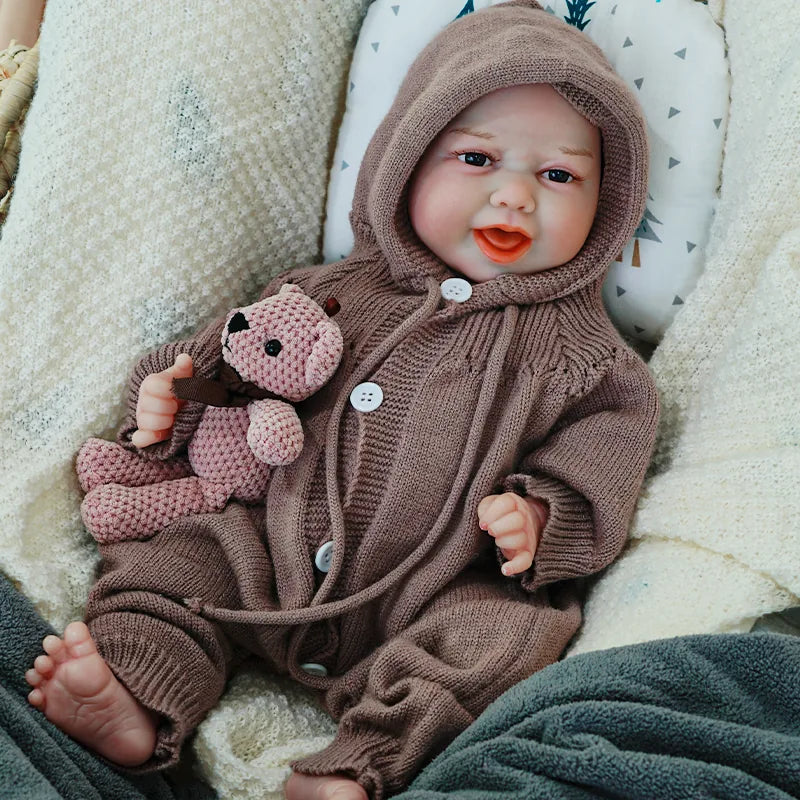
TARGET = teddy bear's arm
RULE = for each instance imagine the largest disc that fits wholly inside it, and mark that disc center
(275, 434)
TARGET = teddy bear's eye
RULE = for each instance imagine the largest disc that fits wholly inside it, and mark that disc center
(273, 347)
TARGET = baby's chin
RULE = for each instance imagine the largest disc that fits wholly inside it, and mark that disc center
(480, 270)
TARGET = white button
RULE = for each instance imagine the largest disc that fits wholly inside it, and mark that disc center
(317, 670)
(456, 289)
(366, 396)
(324, 557)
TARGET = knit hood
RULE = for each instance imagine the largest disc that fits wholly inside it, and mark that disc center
(505, 45)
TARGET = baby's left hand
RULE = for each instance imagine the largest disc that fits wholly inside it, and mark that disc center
(516, 524)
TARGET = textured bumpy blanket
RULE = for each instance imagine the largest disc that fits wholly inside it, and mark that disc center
(38, 761)
(690, 717)
(141, 209)
(174, 157)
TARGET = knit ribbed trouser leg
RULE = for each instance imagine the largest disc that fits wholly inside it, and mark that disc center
(172, 660)
(478, 637)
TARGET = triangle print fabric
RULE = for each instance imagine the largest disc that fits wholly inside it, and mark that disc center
(671, 54)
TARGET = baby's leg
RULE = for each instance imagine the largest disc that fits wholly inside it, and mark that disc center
(324, 787)
(171, 659)
(77, 691)
(427, 683)
(100, 461)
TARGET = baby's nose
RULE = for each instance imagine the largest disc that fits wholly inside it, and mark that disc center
(515, 193)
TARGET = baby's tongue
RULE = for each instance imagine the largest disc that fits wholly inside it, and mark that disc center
(504, 240)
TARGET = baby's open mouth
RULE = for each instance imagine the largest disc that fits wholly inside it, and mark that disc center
(501, 243)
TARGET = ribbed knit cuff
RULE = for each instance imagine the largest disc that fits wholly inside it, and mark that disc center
(206, 353)
(164, 670)
(364, 756)
(567, 548)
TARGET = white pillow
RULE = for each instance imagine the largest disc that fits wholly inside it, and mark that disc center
(672, 54)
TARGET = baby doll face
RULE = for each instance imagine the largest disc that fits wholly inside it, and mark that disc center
(510, 185)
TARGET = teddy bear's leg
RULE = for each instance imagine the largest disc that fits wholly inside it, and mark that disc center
(100, 461)
(115, 513)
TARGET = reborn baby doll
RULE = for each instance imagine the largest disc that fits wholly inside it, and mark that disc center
(485, 415)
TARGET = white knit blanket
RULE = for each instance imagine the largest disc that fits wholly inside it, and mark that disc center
(175, 157)
(716, 540)
(157, 189)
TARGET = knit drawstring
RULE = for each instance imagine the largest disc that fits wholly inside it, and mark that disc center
(319, 610)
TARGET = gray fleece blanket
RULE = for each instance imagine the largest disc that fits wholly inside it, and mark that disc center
(38, 761)
(691, 717)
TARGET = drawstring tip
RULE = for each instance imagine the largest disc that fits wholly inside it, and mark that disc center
(194, 604)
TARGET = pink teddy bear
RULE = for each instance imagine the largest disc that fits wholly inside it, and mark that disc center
(282, 348)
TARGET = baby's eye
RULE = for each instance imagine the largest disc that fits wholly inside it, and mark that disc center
(559, 176)
(474, 159)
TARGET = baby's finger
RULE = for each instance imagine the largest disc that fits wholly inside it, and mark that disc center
(508, 523)
(512, 541)
(484, 504)
(182, 368)
(157, 385)
(148, 421)
(500, 505)
(519, 563)
(144, 438)
(157, 405)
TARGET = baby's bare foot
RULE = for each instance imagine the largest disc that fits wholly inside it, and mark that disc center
(77, 691)
(325, 787)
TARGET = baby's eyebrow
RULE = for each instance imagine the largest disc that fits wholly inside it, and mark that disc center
(576, 151)
(567, 151)
(472, 132)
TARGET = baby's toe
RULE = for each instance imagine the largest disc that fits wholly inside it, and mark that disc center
(43, 666)
(55, 648)
(78, 640)
(34, 677)
(36, 698)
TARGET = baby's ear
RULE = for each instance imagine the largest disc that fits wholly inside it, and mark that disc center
(290, 287)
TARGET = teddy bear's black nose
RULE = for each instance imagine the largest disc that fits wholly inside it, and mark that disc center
(238, 322)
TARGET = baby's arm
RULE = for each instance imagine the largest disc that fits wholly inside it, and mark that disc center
(588, 471)
(156, 405)
(516, 523)
(164, 438)
(204, 349)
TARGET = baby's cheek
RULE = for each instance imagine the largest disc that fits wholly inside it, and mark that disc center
(435, 218)
(569, 234)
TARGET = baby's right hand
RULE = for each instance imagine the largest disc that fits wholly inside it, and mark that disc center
(157, 406)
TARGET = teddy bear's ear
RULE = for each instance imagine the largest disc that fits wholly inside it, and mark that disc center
(325, 354)
(238, 322)
(290, 287)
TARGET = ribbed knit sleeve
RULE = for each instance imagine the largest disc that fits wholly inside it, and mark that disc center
(589, 472)
(206, 353)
